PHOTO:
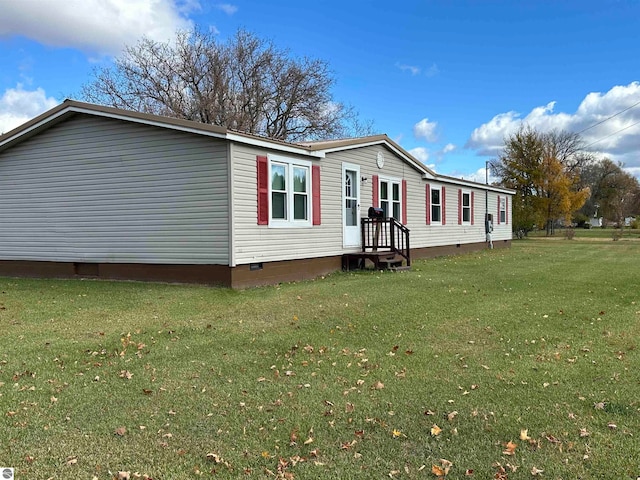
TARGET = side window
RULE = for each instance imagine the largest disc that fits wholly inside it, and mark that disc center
(503, 210)
(436, 205)
(466, 207)
(290, 187)
(391, 198)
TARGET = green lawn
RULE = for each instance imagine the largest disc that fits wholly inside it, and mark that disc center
(592, 233)
(358, 375)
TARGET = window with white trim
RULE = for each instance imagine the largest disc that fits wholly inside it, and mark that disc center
(391, 198)
(466, 207)
(290, 192)
(436, 205)
(503, 210)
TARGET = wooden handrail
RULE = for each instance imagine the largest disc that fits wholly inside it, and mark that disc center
(385, 234)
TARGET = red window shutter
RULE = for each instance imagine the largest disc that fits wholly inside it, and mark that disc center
(263, 190)
(375, 199)
(506, 210)
(404, 202)
(472, 206)
(443, 202)
(428, 203)
(459, 206)
(498, 222)
(315, 186)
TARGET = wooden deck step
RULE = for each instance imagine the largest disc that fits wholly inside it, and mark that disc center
(380, 260)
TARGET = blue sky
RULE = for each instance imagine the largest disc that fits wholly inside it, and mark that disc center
(445, 79)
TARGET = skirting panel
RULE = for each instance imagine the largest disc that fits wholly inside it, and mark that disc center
(205, 274)
(269, 273)
(242, 276)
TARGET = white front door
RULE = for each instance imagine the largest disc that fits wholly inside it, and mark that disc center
(351, 205)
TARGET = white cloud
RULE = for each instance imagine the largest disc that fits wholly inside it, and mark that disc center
(449, 147)
(99, 27)
(426, 130)
(422, 154)
(18, 105)
(432, 71)
(607, 139)
(411, 68)
(227, 8)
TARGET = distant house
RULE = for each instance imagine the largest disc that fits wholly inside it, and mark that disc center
(595, 221)
(93, 191)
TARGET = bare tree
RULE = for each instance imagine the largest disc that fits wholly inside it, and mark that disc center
(245, 84)
(615, 191)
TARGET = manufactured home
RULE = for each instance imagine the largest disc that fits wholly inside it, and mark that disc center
(94, 191)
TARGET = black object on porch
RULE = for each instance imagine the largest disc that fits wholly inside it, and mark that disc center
(385, 242)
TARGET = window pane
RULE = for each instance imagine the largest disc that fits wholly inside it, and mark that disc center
(435, 197)
(351, 212)
(385, 208)
(466, 199)
(279, 205)
(299, 207)
(435, 213)
(396, 192)
(466, 214)
(299, 179)
(278, 177)
(350, 184)
(384, 190)
(396, 210)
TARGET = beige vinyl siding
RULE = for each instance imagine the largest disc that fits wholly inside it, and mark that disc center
(92, 189)
(258, 243)
(502, 231)
(261, 243)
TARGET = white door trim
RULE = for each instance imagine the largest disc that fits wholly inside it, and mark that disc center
(350, 234)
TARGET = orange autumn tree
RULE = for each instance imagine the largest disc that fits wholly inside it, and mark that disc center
(561, 196)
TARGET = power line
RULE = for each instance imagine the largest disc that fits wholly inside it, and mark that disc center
(614, 133)
(609, 118)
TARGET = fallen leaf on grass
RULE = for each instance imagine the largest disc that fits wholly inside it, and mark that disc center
(552, 439)
(396, 433)
(524, 435)
(584, 432)
(378, 385)
(536, 471)
(72, 460)
(120, 431)
(452, 415)
(435, 430)
(441, 470)
(124, 475)
(348, 445)
(510, 448)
